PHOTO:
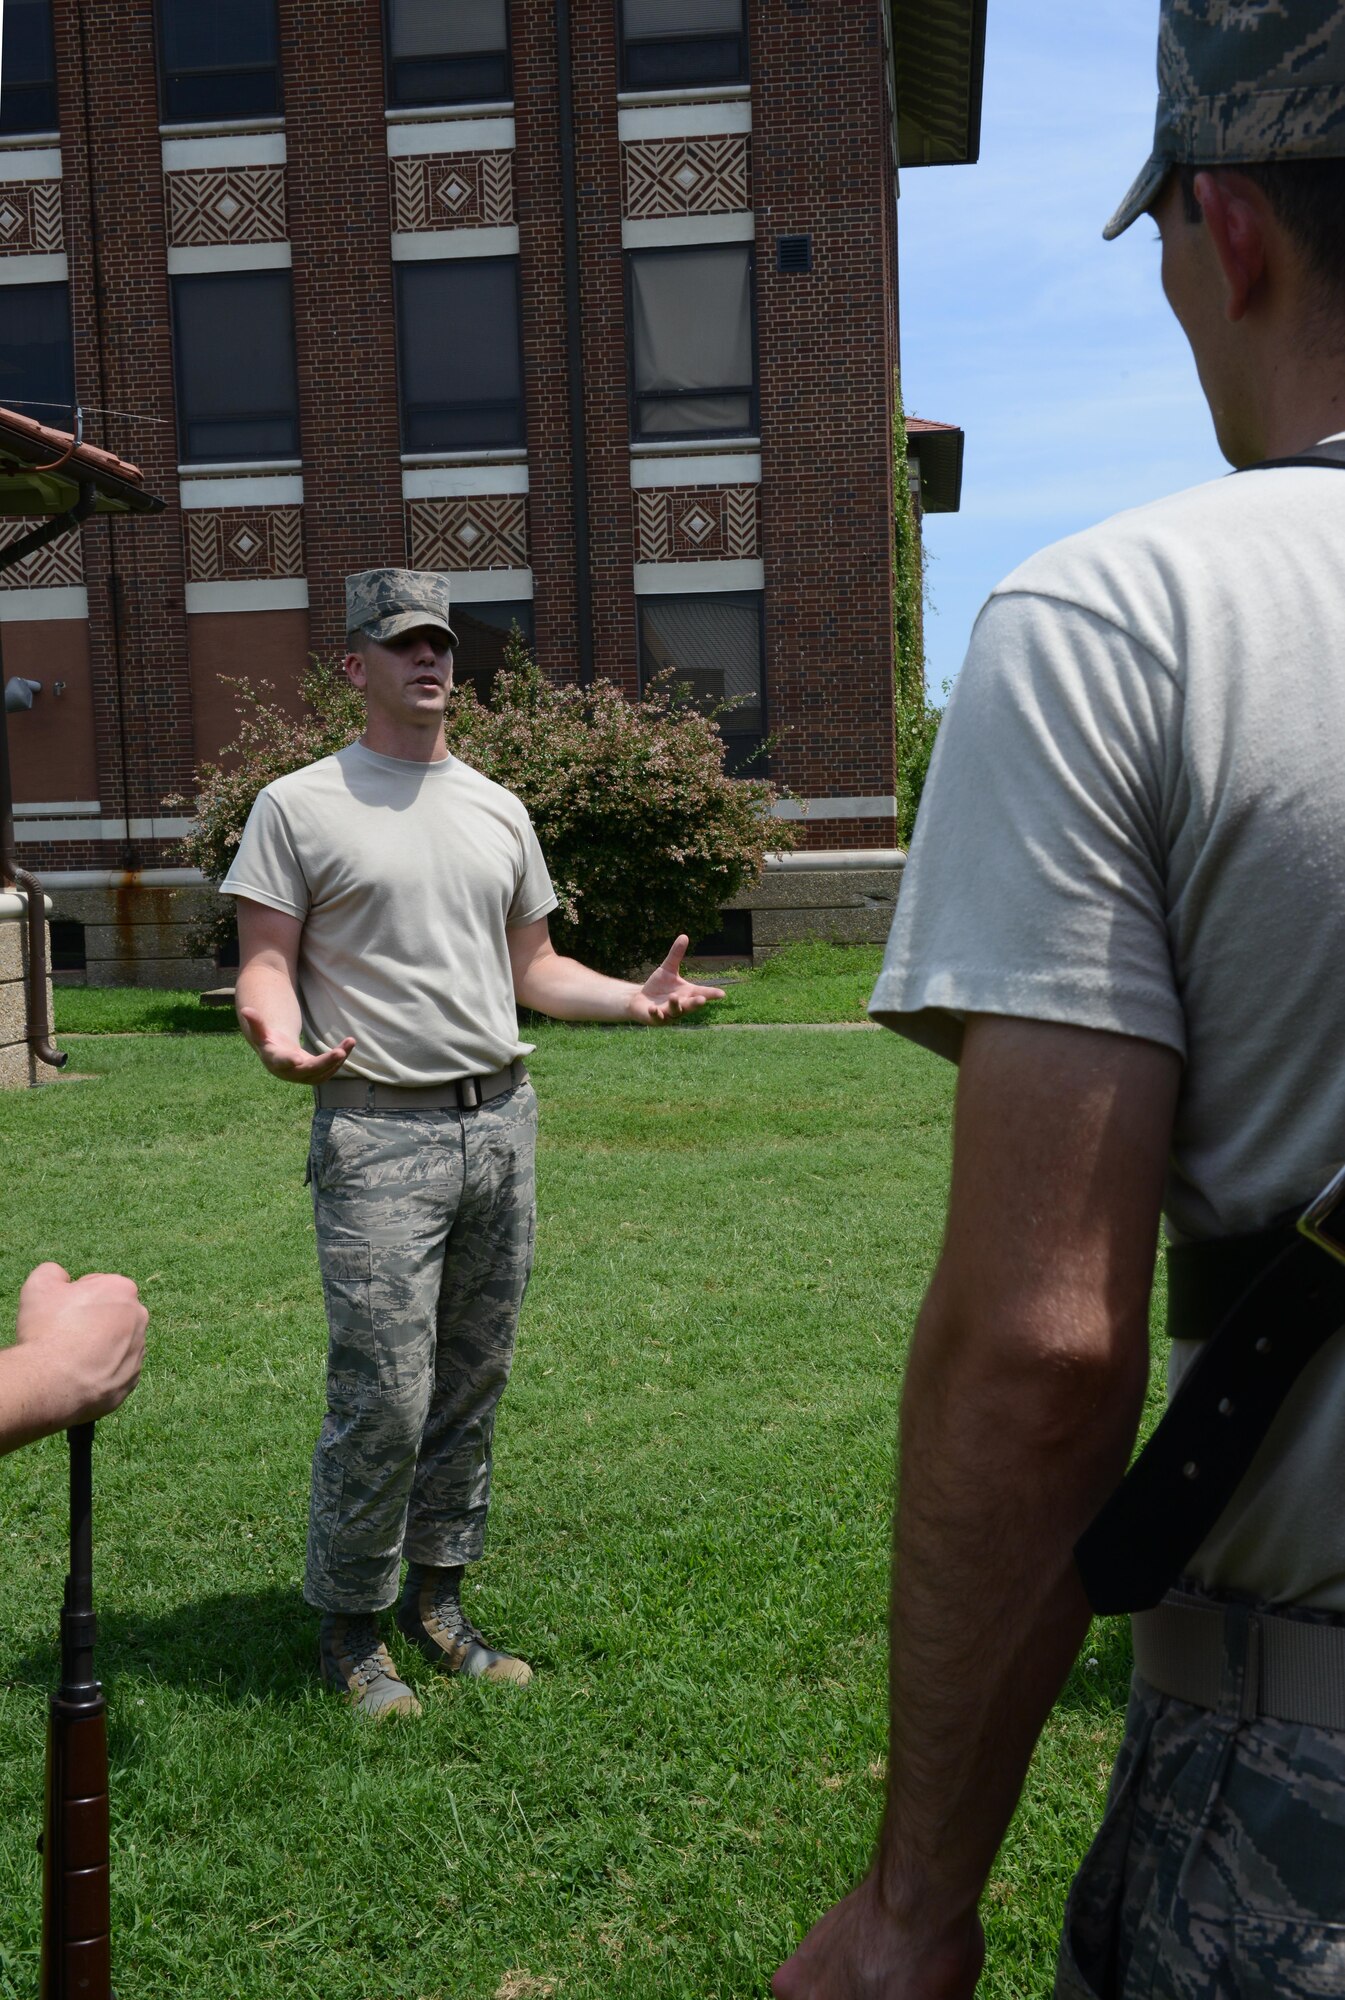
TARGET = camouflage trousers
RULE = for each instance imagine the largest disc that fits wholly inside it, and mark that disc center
(425, 1226)
(1219, 1869)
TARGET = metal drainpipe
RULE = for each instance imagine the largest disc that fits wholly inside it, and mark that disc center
(574, 348)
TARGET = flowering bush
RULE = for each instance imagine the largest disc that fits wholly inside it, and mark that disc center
(643, 833)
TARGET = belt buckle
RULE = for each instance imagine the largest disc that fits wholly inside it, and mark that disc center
(469, 1098)
(1323, 1220)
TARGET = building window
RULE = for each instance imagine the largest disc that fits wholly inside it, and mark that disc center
(233, 340)
(448, 51)
(27, 67)
(37, 369)
(693, 345)
(714, 648)
(461, 354)
(483, 632)
(678, 44)
(218, 61)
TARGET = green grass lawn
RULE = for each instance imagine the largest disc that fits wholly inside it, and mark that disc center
(689, 1539)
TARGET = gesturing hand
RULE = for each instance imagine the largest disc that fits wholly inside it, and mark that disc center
(287, 1058)
(665, 994)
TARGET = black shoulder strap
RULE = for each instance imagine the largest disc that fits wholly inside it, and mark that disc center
(1322, 454)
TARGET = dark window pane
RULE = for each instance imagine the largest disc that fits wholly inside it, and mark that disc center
(461, 366)
(234, 342)
(218, 61)
(692, 348)
(27, 68)
(713, 646)
(448, 51)
(37, 374)
(677, 43)
(482, 631)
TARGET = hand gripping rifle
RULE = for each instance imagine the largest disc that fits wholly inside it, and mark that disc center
(76, 1957)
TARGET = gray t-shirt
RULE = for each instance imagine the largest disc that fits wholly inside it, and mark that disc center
(405, 877)
(1135, 821)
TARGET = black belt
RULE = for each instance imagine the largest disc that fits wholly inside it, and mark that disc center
(1262, 1305)
(465, 1093)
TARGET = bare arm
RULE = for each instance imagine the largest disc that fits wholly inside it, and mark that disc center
(266, 996)
(569, 991)
(76, 1355)
(1023, 1392)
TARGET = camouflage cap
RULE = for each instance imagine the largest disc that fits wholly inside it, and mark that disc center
(386, 602)
(1242, 81)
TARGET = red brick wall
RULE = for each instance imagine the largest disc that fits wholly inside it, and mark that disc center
(819, 129)
(337, 190)
(124, 373)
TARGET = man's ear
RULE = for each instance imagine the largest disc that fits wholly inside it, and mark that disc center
(355, 672)
(1236, 214)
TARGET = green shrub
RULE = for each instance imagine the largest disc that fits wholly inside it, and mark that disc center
(917, 719)
(643, 833)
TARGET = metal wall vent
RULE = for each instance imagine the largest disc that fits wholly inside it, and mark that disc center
(793, 253)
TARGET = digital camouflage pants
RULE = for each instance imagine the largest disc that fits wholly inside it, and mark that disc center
(425, 1226)
(1219, 1869)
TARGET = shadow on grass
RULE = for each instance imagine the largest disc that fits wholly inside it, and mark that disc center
(243, 1646)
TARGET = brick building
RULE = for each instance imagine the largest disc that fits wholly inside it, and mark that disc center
(592, 303)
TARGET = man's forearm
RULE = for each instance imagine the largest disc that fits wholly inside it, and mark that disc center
(268, 990)
(1002, 1467)
(570, 991)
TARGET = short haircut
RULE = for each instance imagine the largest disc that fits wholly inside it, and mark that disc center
(1307, 198)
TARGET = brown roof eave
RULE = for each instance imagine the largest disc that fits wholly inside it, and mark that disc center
(938, 51)
(42, 471)
(937, 450)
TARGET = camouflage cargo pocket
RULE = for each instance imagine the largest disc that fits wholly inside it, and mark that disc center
(1288, 1958)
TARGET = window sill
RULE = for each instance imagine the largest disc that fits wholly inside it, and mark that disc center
(514, 454)
(438, 114)
(689, 447)
(213, 468)
(705, 93)
(24, 140)
(216, 128)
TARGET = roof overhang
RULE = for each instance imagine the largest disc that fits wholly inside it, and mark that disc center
(938, 53)
(936, 451)
(44, 471)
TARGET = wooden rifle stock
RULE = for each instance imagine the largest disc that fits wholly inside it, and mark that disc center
(76, 1947)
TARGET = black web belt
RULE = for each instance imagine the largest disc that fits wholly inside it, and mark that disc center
(1262, 1305)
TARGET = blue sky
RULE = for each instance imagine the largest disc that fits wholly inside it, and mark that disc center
(1053, 350)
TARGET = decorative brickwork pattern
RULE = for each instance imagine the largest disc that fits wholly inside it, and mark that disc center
(488, 531)
(696, 523)
(687, 176)
(453, 191)
(60, 563)
(231, 543)
(30, 218)
(226, 205)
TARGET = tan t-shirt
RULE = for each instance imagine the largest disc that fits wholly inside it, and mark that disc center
(1135, 820)
(405, 878)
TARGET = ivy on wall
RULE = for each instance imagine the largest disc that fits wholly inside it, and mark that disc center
(917, 720)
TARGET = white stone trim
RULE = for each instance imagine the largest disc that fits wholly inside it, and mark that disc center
(50, 267)
(453, 482)
(104, 829)
(451, 135)
(188, 261)
(220, 149)
(31, 163)
(281, 489)
(815, 809)
(14, 904)
(59, 809)
(251, 593)
(683, 121)
(735, 468)
(218, 468)
(22, 607)
(205, 128)
(665, 232)
(120, 878)
(413, 246)
(814, 860)
(692, 579)
(488, 586)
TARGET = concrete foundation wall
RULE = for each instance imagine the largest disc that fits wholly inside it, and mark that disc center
(18, 1068)
(823, 896)
(136, 935)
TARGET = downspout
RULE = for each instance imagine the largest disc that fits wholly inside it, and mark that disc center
(574, 348)
(37, 1032)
